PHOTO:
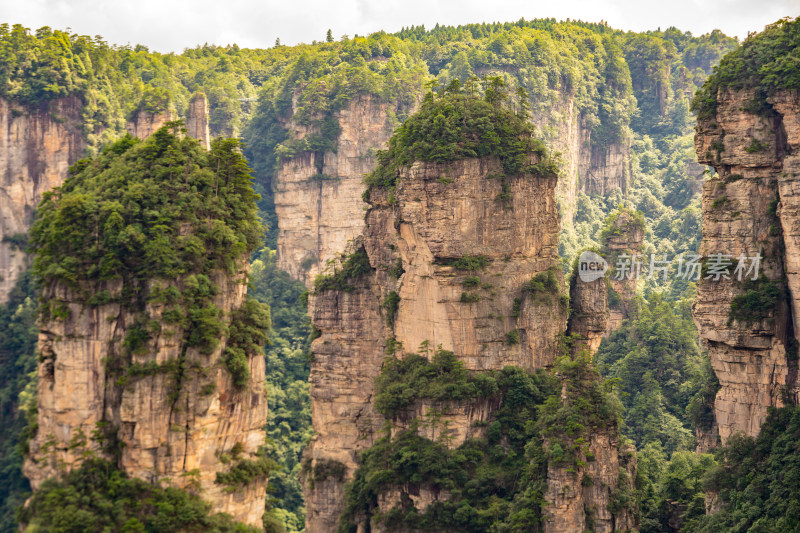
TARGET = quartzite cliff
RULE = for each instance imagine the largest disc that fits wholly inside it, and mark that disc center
(751, 208)
(410, 290)
(318, 195)
(37, 146)
(126, 369)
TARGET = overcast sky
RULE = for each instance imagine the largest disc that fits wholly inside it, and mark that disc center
(172, 25)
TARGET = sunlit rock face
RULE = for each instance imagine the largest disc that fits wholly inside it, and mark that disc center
(751, 208)
(37, 146)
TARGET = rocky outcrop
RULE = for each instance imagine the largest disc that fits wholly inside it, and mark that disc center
(144, 123)
(413, 241)
(318, 194)
(751, 208)
(581, 498)
(589, 313)
(171, 420)
(622, 247)
(604, 169)
(37, 146)
(197, 120)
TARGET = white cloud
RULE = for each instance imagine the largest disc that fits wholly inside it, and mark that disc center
(177, 24)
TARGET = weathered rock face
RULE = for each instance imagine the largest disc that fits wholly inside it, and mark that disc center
(605, 169)
(318, 195)
(579, 496)
(169, 425)
(624, 238)
(144, 124)
(37, 146)
(752, 208)
(411, 240)
(586, 167)
(589, 315)
(579, 499)
(197, 120)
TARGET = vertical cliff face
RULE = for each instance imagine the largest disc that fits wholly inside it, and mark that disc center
(587, 166)
(166, 424)
(149, 346)
(458, 259)
(582, 498)
(36, 148)
(197, 120)
(751, 208)
(605, 168)
(318, 194)
(438, 215)
(622, 244)
(144, 123)
(589, 313)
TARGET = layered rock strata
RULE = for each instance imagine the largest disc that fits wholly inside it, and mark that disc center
(580, 498)
(413, 240)
(170, 425)
(318, 194)
(587, 167)
(622, 247)
(751, 208)
(589, 313)
(447, 264)
(37, 146)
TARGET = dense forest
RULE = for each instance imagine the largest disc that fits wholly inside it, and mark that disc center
(633, 89)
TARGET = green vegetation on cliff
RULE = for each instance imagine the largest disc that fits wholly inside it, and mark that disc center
(656, 359)
(98, 497)
(766, 62)
(158, 211)
(287, 369)
(18, 361)
(601, 68)
(112, 83)
(458, 124)
(493, 482)
(403, 382)
(757, 479)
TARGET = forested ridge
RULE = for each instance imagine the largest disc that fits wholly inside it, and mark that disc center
(630, 88)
